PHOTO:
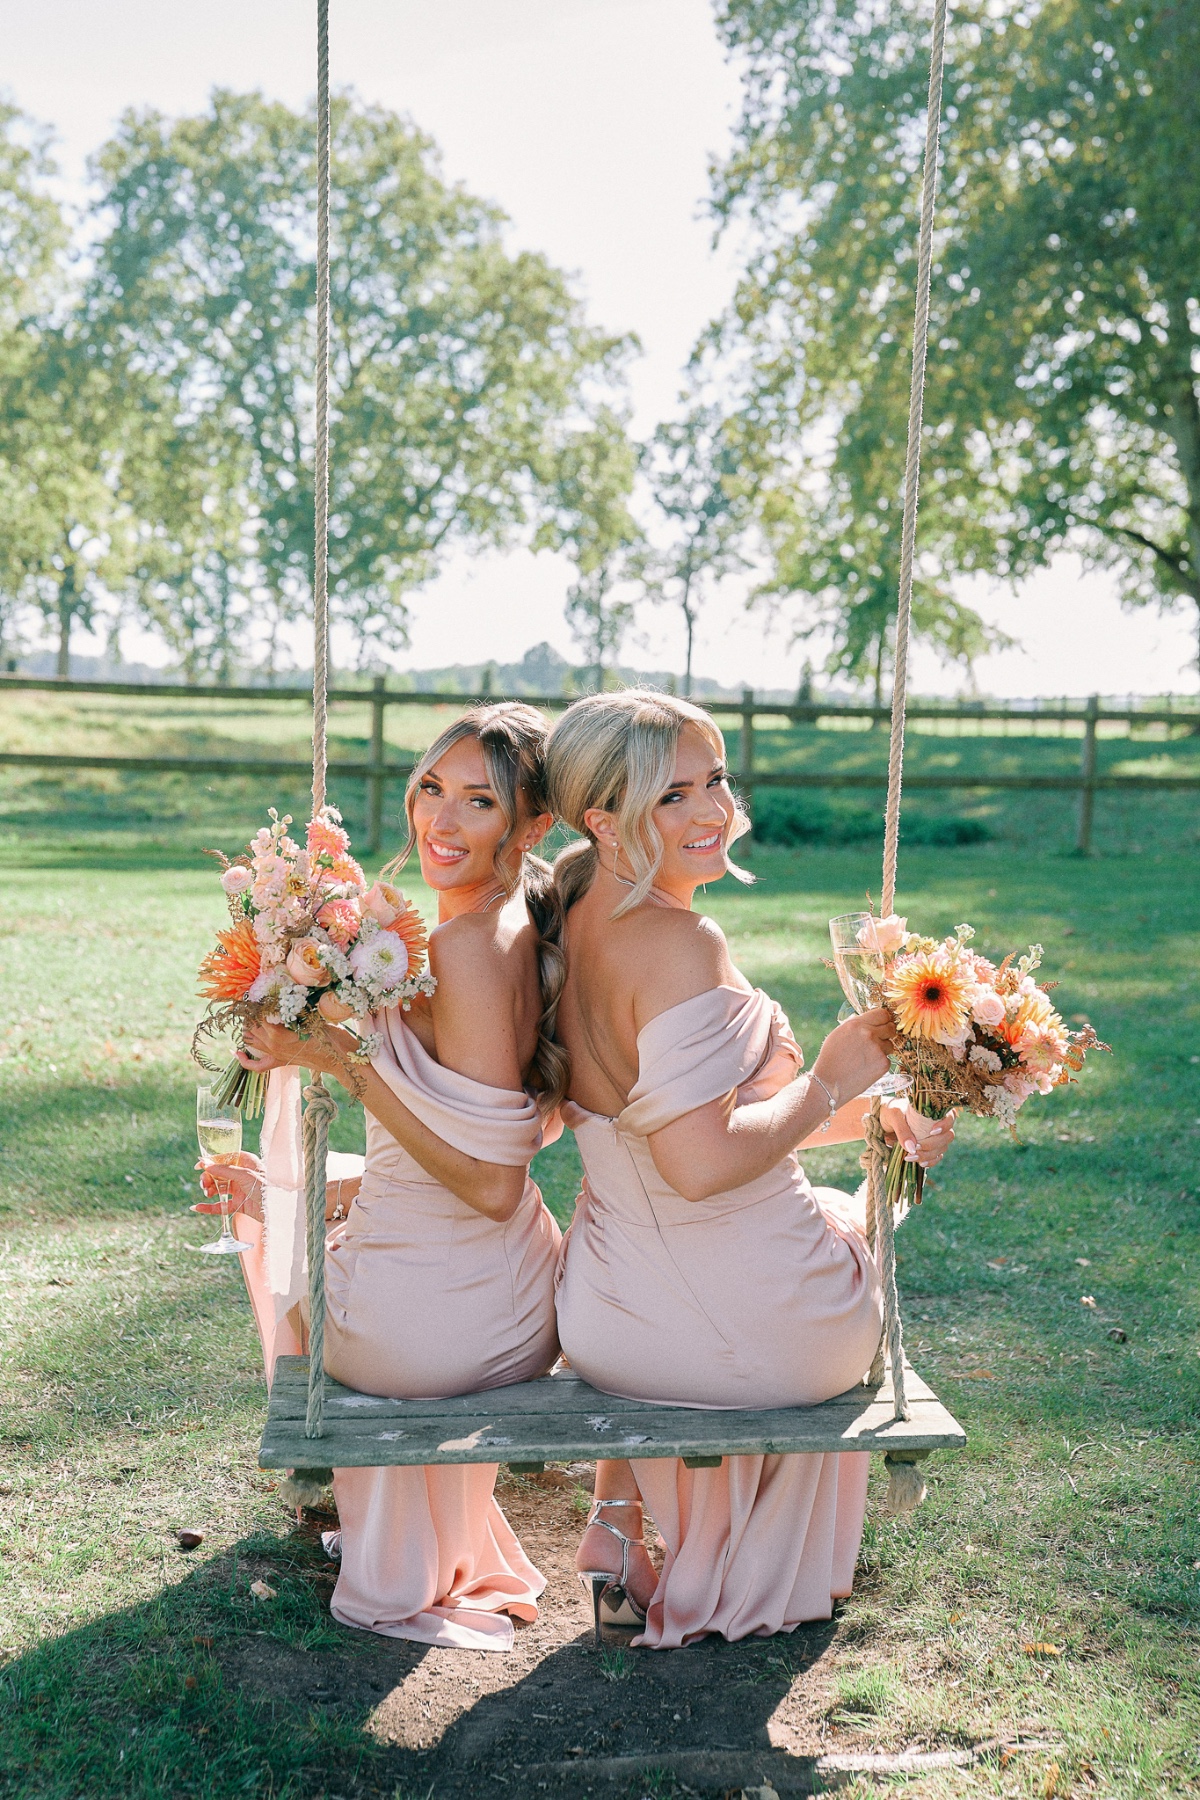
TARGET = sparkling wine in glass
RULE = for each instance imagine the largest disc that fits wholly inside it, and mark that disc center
(861, 969)
(859, 965)
(219, 1134)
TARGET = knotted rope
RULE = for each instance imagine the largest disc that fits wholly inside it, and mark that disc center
(881, 1224)
(320, 1107)
(912, 463)
(320, 1110)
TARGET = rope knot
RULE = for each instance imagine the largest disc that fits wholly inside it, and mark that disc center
(320, 1103)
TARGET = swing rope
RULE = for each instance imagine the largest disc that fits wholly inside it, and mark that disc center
(320, 1108)
(880, 1220)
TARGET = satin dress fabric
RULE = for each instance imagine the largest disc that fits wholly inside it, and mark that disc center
(426, 1298)
(763, 1296)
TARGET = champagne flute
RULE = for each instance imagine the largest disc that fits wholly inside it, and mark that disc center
(219, 1134)
(862, 970)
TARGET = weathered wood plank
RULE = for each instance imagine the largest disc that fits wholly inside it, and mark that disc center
(560, 1393)
(565, 1420)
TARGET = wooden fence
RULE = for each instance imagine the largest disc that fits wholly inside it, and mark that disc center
(379, 770)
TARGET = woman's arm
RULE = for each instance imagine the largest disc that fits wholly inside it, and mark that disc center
(722, 1145)
(925, 1141)
(474, 1034)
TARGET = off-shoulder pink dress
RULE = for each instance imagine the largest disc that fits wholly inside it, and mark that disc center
(761, 1297)
(426, 1298)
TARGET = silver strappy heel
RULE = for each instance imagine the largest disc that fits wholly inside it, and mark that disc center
(611, 1591)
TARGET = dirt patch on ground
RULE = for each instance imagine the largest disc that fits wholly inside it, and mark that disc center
(557, 1717)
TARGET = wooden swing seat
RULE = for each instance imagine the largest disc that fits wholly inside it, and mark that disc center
(562, 1419)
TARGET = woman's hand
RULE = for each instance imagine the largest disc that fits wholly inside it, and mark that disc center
(855, 1054)
(272, 1047)
(925, 1141)
(240, 1180)
(275, 1047)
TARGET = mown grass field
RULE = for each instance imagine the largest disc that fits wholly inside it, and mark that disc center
(132, 1389)
(160, 814)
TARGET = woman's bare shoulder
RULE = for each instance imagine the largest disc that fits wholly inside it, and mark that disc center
(673, 957)
(479, 951)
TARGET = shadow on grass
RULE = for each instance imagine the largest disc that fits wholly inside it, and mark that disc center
(162, 1698)
(207, 1691)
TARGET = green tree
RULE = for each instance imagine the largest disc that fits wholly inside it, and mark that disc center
(1063, 406)
(697, 474)
(65, 422)
(33, 237)
(590, 520)
(456, 362)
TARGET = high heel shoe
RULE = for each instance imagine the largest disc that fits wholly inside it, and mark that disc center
(611, 1591)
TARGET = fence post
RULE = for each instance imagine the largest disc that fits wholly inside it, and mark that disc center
(376, 778)
(746, 757)
(1087, 778)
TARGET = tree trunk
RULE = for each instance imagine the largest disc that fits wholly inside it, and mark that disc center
(66, 612)
(1184, 420)
(687, 673)
(879, 649)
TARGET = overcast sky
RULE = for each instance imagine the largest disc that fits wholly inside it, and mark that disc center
(592, 123)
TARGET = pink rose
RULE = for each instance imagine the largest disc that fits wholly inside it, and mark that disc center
(955, 1041)
(237, 879)
(304, 963)
(884, 935)
(987, 1007)
(383, 902)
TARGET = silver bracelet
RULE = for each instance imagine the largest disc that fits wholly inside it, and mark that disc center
(833, 1105)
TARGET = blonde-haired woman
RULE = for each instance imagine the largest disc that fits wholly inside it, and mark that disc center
(441, 1281)
(702, 1269)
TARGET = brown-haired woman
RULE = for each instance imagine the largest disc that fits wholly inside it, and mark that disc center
(442, 1280)
(702, 1269)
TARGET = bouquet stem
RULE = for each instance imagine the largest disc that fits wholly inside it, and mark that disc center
(244, 1088)
(905, 1180)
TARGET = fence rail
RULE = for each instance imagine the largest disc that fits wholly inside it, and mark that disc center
(378, 771)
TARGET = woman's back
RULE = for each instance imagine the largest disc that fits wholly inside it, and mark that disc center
(621, 973)
(426, 1294)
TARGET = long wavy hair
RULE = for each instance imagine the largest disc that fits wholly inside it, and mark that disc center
(616, 752)
(512, 738)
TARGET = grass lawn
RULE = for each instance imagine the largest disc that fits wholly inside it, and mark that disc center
(132, 1394)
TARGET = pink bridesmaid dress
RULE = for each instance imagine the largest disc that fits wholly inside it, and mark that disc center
(764, 1296)
(426, 1298)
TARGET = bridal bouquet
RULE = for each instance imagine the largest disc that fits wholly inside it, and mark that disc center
(304, 922)
(970, 1033)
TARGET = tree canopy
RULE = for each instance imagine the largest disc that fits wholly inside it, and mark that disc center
(1063, 403)
(460, 368)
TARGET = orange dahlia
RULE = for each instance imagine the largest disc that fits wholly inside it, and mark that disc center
(341, 919)
(343, 869)
(326, 837)
(928, 994)
(226, 973)
(409, 925)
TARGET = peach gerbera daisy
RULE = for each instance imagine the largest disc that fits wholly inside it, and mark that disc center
(929, 994)
(410, 926)
(226, 973)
